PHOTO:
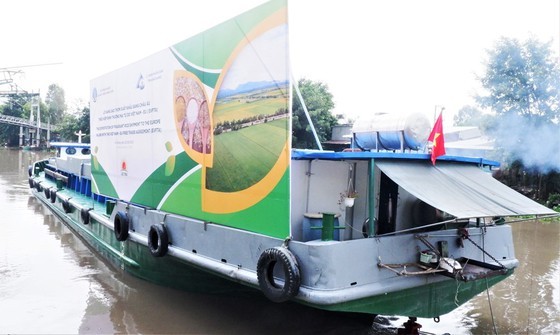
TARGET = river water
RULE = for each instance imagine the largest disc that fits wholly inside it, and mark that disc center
(50, 282)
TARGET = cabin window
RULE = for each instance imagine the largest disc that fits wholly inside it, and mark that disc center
(388, 196)
(70, 151)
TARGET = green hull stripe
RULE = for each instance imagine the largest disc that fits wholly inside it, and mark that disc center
(89, 234)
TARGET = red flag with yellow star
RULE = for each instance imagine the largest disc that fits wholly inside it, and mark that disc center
(436, 137)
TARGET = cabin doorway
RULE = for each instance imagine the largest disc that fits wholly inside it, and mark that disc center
(388, 196)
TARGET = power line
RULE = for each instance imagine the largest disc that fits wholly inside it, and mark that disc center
(32, 65)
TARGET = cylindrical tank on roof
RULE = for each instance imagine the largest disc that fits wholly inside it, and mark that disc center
(391, 131)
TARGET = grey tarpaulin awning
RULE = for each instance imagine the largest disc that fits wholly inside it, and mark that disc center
(464, 191)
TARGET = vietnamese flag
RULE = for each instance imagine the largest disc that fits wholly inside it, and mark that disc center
(436, 137)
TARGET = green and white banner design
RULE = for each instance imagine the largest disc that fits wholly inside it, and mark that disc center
(202, 129)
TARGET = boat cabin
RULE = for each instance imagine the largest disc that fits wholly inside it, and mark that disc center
(72, 165)
(402, 192)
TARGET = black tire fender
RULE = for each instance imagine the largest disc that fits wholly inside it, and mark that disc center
(121, 226)
(47, 193)
(31, 182)
(84, 214)
(38, 187)
(290, 268)
(66, 206)
(158, 240)
(53, 196)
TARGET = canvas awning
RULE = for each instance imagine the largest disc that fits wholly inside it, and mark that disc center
(462, 190)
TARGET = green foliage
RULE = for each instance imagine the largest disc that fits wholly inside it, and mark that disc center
(553, 200)
(9, 134)
(15, 106)
(83, 124)
(70, 125)
(319, 102)
(56, 103)
(18, 106)
(522, 81)
(522, 78)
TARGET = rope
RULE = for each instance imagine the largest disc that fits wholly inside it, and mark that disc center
(491, 310)
(466, 236)
(531, 285)
(418, 228)
(486, 279)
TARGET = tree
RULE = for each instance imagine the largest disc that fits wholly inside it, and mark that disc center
(9, 134)
(71, 124)
(83, 124)
(56, 104)
(18, 106)
(319, 102)
(522, 81)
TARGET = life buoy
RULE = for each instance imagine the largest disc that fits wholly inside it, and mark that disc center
(84, 213)
(265, 274)
(53, 196)
(121, 226)
(66, 206)
(158, 240)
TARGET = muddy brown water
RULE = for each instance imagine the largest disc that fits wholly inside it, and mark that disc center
(51, 283)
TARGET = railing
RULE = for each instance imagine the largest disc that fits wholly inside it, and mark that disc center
(23, 122)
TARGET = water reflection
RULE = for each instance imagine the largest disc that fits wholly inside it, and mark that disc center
(50, 276)
(525, 303)
(119, 303)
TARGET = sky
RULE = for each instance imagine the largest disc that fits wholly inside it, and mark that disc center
(402, 56)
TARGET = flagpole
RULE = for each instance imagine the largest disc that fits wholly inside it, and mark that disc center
(442, 108)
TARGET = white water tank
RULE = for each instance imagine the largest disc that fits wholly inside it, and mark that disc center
(391, 131)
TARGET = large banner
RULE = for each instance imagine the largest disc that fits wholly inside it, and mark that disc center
(202, 129)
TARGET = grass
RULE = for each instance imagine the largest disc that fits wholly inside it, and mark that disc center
(243, 107)
(244, 157)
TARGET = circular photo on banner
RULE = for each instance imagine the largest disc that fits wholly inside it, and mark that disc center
(192, 114)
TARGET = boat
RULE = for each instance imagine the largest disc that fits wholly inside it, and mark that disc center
(190, 181)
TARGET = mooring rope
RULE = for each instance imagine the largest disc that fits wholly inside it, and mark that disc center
(486, 279)
(531, 285)
(490, 305)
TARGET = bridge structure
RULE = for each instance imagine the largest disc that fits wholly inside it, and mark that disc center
(30, 131)
(17, 121)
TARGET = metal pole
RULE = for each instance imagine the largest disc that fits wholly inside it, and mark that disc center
(36, 105)
(307, 115)
(371, 198)
(49, 133)
(20, 136)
